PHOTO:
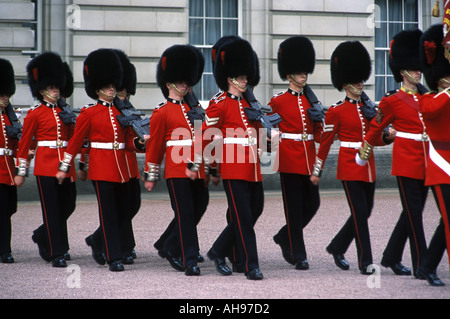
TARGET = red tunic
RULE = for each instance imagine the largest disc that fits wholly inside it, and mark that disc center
(436, 115)
(98, 123)
(295, 156)
(401, 109)
(226, 117)
(347, 121)
(169, 123)
(43, 123)
(7, 145)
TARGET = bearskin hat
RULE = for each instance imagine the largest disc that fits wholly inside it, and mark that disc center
(296, 54)
(233, 59)
(434, 65)
(179, 63)
(44, 70)
(228, 39)
(350, 63)
(404, 52)
(67, 90)
(101, 68)
(7, 83)
(129, 73)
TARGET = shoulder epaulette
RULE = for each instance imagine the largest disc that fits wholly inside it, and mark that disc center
(220, 99)
(89, 105)
(389, 93)
(160, 105)
(215, 96)
(279, 93)
(338, 103)
(36, 106)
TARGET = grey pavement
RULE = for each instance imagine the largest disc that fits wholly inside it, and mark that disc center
(151, 277)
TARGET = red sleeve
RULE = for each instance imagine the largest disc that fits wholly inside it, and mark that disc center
(384, 117)
(330, 130)
(30, 125)
(156, 144)
(432, 105)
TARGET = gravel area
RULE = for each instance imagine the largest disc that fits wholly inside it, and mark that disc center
(151, 277)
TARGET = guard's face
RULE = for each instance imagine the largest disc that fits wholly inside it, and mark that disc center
(107, 93)
(4, 100)
(53, 91)
(298, 80)
(240, 82)
(444, 83)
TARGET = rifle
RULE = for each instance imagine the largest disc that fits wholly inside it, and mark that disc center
(132, 117)
(316, 111)
(197, 112)
(67, 115)
(368, 109)
(257, 112)
(14, 131)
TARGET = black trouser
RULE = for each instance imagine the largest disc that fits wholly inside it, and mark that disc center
(188, 204)
(441, 238)
(360, 197)
(301, 201)
(134, 204)
(245, 203)
(8, 206)
(413, 195)
(58, 203)
(168, 240)
(113, 207)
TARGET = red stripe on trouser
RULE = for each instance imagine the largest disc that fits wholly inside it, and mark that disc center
(444, 213)
(239, 225)
(101, 220)
(286, 211)
(45, 214)
(410, 221)
(356, 224)
(179, 224)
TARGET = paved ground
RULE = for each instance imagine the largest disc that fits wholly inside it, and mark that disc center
(151, 277)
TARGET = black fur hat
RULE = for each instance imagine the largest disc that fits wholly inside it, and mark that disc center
(228, 39)
(296, 54)
(350, 63)
(44, 70)
(434, 65)
(404, 52)
(7, 83)
(233, 59)
(101, 67)
(67, 90)
(179, 63)
(129, 73)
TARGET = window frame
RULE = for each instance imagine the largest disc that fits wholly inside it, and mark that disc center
(387, 74)
(204, 46)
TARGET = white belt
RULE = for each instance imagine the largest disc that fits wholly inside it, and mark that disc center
(108, 146)
(297, 137)
(179, 143)
(53, 144)
(245, 141)
(413, 136)
(5, 152)
(439, 160)
(351, 144)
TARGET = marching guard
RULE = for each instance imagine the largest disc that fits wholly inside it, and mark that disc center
(172, 134)
(102, 72)
(297, 151)
(51, 125)
(239, 163)
(9, 137)
(349, 119)
(409, 154)
(436, 116)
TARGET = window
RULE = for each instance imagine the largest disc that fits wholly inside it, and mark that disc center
(209, 20)
(392, 17)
